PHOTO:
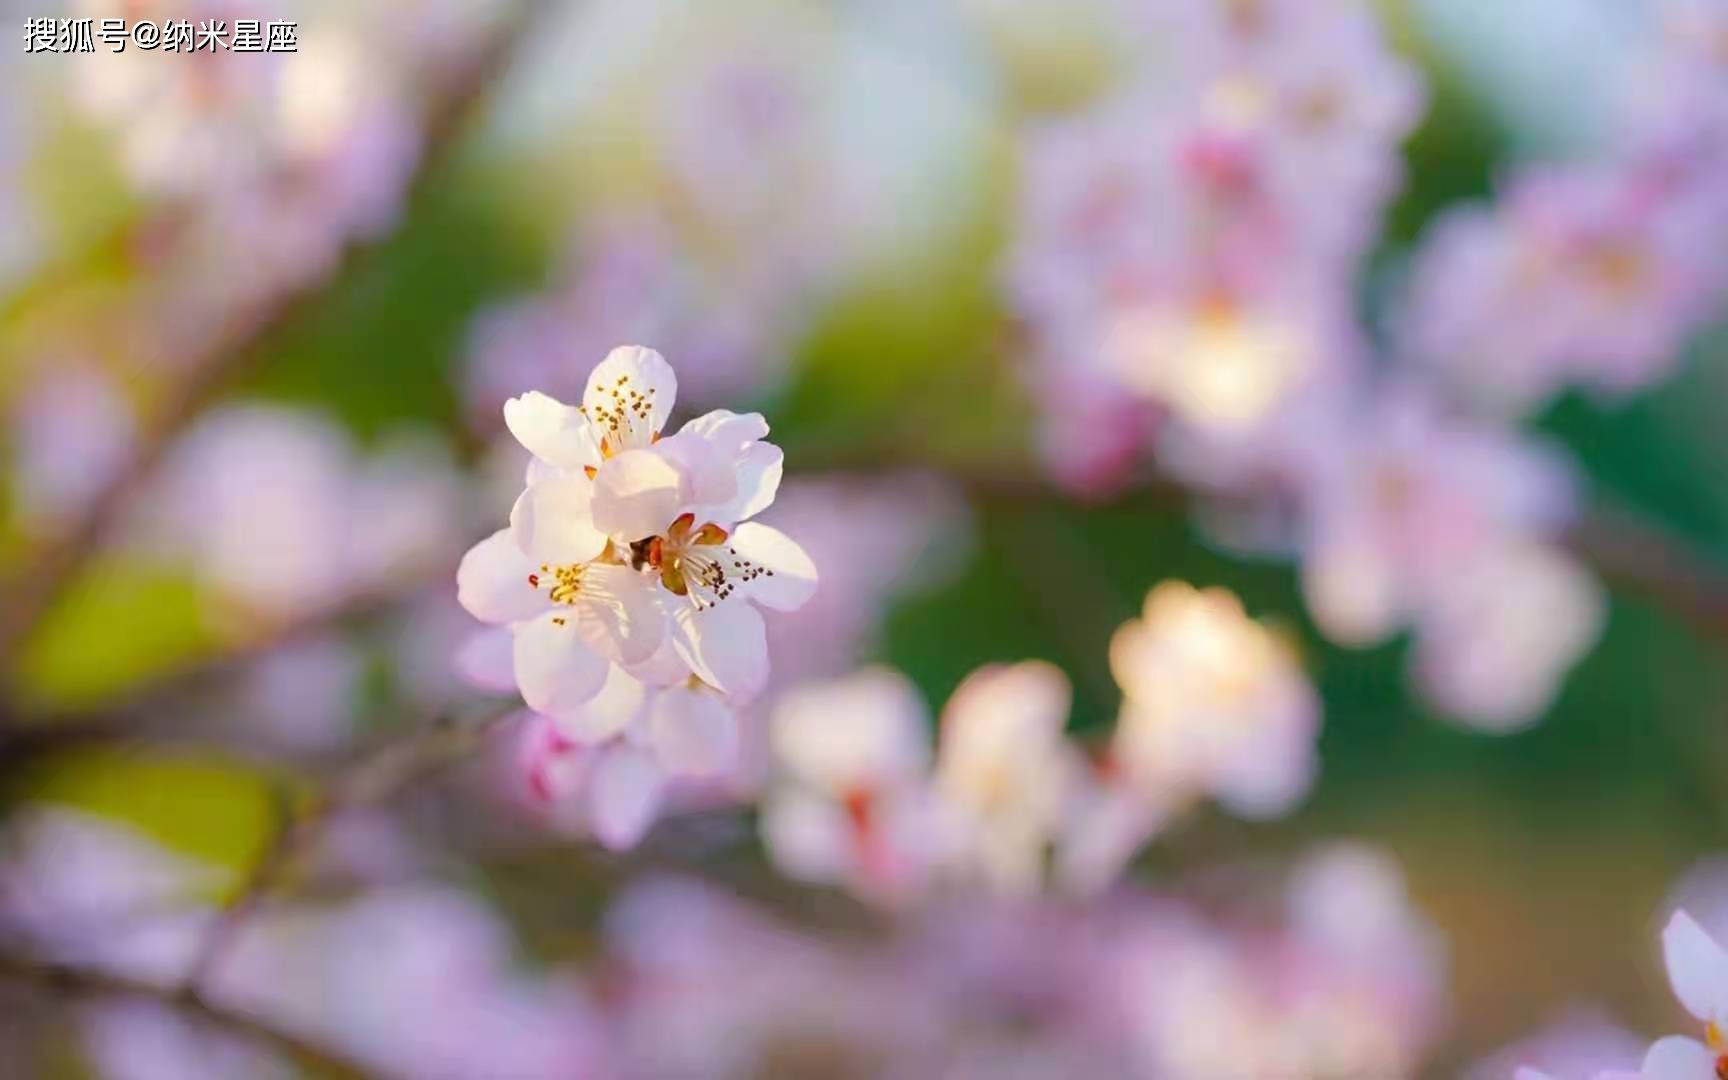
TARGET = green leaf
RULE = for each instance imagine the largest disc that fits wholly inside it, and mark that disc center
(210, 808)
(121, 622)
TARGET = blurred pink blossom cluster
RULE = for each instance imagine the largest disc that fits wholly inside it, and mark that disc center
(1593, 273)
(1339, 978)
(259, 167)
(1216, 706)
(1345, 980)
(339, 523)
(1187, 244)
(1186, 267)
(720, 259)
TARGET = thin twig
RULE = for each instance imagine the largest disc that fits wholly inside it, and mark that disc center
(290, 838)
(80, 982)
(1644, 559)
(51, 567)
(373, 776)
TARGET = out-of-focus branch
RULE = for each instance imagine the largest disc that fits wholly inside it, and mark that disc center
(1627, 551)
(234, 348)
(150, 702)
(1644, 559)
(79, 982)
(372, 776)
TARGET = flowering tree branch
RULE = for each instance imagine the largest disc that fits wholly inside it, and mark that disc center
(1640, 557)
(1629, 552)
(238, 344)
(78, 982)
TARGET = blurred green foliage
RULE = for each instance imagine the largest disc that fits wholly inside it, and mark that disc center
(218, 812)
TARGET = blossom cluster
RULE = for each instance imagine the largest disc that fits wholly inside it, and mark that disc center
(628, 582)
(1186, 243)
(720, 258)
(1190, 284)
(257, 169)
(1215, 705)
(1596, 273)
(1341, 978)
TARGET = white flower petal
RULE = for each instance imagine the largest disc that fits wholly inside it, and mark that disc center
(710, 477)
(618, 614)
(553, 524)
(693, 732)
(732, 474)
(552, 431)
(758, 471)
(628, 397)
(1678, 1058)
(1697, 967)
(725, 430)
(665, 667)
(790, 579)
(492, 581)
(614, 709)
(555, 669)
(625, 788)
(637, 494)
(486, 660)
(726, 645)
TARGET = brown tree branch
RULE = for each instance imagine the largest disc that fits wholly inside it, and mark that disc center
(1644, 559)
(372, 776)
(1629, 553)
(80, 982)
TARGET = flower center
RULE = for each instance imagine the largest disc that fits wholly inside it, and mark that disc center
(695, 562)
(691, 561)
(564, 582)
(630, 412)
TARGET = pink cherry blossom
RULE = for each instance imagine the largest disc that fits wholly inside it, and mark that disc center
(1214, 705)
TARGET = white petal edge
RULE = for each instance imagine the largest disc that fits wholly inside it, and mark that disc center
(637, 494)
(693, 732)
(618, 614)
(552, 431)
(614, 709)
(624, 795)
(646, 372)
(1678, 1058)
(725, 645)
(492, 581)
(794, 575)
(552, 521)
(486, 660)
(1697, 967)
(555, 669)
